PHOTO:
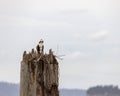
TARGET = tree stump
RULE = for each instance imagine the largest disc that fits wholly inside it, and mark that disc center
(39, 75)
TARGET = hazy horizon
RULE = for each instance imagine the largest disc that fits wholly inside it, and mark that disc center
(85, 31)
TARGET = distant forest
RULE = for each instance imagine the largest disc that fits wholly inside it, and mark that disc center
(104, 91)
(8, 89)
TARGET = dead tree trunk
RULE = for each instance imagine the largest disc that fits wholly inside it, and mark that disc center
(39, 75)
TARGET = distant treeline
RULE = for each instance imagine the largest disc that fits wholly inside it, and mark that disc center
(104, 91)
(9, 89)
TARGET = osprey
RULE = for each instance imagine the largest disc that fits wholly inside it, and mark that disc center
(40, 46)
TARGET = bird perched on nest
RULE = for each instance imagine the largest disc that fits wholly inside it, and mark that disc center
(40, 47)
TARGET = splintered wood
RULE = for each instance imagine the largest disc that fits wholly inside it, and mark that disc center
(39, 74)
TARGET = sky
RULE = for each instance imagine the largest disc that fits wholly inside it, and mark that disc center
(85, 31)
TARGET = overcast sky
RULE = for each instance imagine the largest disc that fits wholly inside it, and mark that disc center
(87, 32)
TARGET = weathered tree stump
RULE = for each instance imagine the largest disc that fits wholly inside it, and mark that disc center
(39, 74)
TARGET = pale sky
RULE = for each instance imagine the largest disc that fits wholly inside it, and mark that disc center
(86, 31)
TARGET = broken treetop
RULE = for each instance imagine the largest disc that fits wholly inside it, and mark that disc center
(39, 53)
